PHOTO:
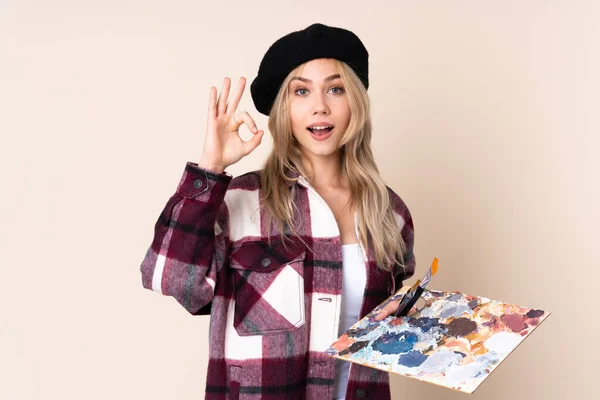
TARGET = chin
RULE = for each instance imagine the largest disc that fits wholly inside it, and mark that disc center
(322, 149)
(322, 152)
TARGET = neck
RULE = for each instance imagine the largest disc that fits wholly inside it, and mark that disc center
(325, 172)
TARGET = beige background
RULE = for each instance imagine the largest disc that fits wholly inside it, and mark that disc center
(486, 123)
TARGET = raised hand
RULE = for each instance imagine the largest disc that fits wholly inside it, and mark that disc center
(223, 145)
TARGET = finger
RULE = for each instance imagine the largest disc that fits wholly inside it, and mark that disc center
(245, 118)
(239, 91)
(390, 308)
(212, 103)
(222, 102)
(253, 143)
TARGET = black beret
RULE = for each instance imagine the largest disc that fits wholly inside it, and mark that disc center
(296, 48)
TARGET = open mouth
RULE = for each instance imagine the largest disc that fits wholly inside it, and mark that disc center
(320, 130)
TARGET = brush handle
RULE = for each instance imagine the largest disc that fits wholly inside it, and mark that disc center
(408, 296)
(405, 306)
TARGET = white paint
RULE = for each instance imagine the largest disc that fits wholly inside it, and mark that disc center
(440, 361)
(503, 342)
(459, 375)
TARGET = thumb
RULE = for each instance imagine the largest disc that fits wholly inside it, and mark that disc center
(255, 141)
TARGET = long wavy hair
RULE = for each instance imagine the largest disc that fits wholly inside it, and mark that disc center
(370, 198)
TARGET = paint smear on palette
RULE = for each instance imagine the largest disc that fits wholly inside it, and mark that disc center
(455, 340)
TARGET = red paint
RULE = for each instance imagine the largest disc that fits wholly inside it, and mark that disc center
(514, 322)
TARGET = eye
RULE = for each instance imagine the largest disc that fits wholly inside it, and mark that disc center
(300, 89)
(339, 89)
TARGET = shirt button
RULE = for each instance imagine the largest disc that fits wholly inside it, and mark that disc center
(198, 183)
(361, 393)
(265, 262)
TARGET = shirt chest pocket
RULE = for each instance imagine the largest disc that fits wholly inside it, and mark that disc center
(269, 286)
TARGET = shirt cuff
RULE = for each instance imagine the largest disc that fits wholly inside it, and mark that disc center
(199, 182)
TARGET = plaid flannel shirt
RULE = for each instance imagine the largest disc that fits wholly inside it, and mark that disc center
(273, 309)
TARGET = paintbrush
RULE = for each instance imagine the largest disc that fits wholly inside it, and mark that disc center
(415, 291)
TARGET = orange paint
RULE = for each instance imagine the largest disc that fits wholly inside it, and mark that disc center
(343, 342)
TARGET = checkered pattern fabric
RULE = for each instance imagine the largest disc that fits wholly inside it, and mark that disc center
(273, 308)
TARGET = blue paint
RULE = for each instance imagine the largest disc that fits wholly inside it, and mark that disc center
(453, 310)
(534, 313)
(454, 297)
(354, 347)
(460, 353)
(412, 359)
(395, 343)
(424, 323)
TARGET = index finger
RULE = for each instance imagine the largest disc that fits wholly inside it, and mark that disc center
(212, 103)
(389, 308)
(239, 91)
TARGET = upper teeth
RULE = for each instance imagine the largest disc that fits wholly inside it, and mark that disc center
(320, 127)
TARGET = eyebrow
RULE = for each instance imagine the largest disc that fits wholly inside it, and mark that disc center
(330, 78)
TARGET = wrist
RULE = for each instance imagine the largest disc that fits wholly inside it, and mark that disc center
(218, 169)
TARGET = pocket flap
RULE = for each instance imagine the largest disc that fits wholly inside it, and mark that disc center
(260, 256)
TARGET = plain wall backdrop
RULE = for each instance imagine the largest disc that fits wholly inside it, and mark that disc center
(486, 123)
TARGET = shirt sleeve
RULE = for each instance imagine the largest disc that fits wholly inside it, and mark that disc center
(405, 270)
(190, 241)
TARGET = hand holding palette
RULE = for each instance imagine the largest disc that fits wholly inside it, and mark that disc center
(455, 340)
(414, 293)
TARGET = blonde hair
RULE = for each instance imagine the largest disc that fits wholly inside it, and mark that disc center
(369, 194)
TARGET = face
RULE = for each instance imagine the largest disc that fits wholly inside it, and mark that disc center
(318, 100)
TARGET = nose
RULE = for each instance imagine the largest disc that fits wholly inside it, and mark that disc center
(320, 105)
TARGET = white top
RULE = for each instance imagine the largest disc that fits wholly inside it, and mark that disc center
(353, 286)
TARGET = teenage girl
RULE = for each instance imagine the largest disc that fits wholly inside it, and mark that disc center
(286, 258)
